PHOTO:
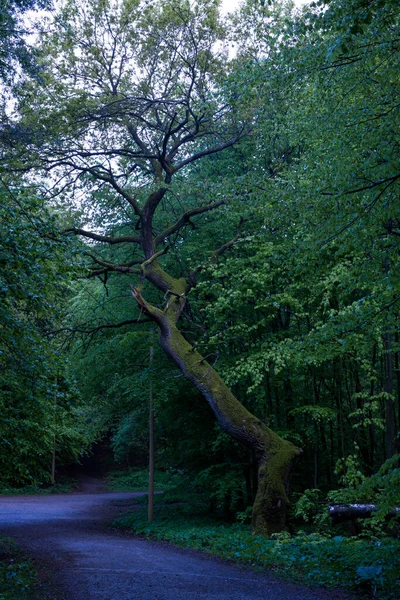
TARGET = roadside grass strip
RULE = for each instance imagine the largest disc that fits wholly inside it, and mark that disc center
(368, 566)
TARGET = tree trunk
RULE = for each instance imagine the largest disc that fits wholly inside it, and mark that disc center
(397, 370)
(390, 413)
(273, 454)
(372, 435)
(150, 506)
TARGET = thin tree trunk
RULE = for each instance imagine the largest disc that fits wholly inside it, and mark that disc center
(337, 367)
(53, 455)
(390, 416)
(53, 462)
(397, 371)
(372, 434)
(316, 456)
(361, 436)
(332, 452)
(151, 435)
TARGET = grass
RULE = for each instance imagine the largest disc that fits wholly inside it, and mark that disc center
(369, 566)
(135, 481)
(18, 577)
(30, 490)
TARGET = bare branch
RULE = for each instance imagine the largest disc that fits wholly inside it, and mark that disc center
(213, 150)
(145, 307)
(193, 274)
(185, 218)
(101, 174)
(133, 239)
(232, 242)
(92, 330)
(392, 226)
(113, 267)
(150, 260)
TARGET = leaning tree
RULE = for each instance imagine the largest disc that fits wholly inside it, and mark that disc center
(127, 106)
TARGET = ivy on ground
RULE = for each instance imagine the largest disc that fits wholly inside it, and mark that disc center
(18, 577)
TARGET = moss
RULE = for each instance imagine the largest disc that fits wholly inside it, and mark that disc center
(271, 504)
(231, 414)
(165, 282)
(275, 455)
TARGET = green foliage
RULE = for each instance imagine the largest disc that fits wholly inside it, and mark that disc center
(224, 487)
(134, 481)
(308, 505)
(369, 413)
(44, 489)
(14, 50)
(382, 488)
(18, 577)
(317, 414)
(37, 399)
(349, 471)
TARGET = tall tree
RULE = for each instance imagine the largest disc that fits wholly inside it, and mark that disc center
(128, 108)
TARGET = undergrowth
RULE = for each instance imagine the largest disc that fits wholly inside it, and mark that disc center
(135, 481)
(186, 515)
(31, 490)
(369, 566)
(18, 577)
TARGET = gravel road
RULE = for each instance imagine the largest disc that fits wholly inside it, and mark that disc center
(68, 537)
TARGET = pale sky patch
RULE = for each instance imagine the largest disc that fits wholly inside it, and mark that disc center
(230, 5)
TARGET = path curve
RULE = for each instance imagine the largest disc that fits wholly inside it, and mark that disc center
(68, 536)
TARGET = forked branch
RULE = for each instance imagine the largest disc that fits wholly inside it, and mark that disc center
(127, 268)
(185, 219)
(133, 239)
(232, 242)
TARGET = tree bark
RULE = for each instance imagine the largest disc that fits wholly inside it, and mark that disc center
(390, 413)
(273, 454)
(397, 371)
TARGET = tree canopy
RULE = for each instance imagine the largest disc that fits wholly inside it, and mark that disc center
(245, 204)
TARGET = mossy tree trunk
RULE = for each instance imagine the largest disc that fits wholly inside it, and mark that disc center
(274, 455)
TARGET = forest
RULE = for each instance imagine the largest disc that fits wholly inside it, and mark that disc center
(203, 209)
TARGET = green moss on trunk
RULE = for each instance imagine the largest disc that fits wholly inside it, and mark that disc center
(271, 504)
(275, 455)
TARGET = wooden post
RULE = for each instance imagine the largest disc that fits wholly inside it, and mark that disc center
(151, 434)
(390, 413)
(53, 458)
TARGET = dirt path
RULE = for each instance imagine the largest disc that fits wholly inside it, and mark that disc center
(69, 538)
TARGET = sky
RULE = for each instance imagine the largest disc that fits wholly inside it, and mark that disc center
(229, 5)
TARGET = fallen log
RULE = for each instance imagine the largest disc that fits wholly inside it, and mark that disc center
(348, 514)
(354, 511)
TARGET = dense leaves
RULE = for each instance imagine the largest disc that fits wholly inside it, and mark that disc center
(37, 415)
(279, 208)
